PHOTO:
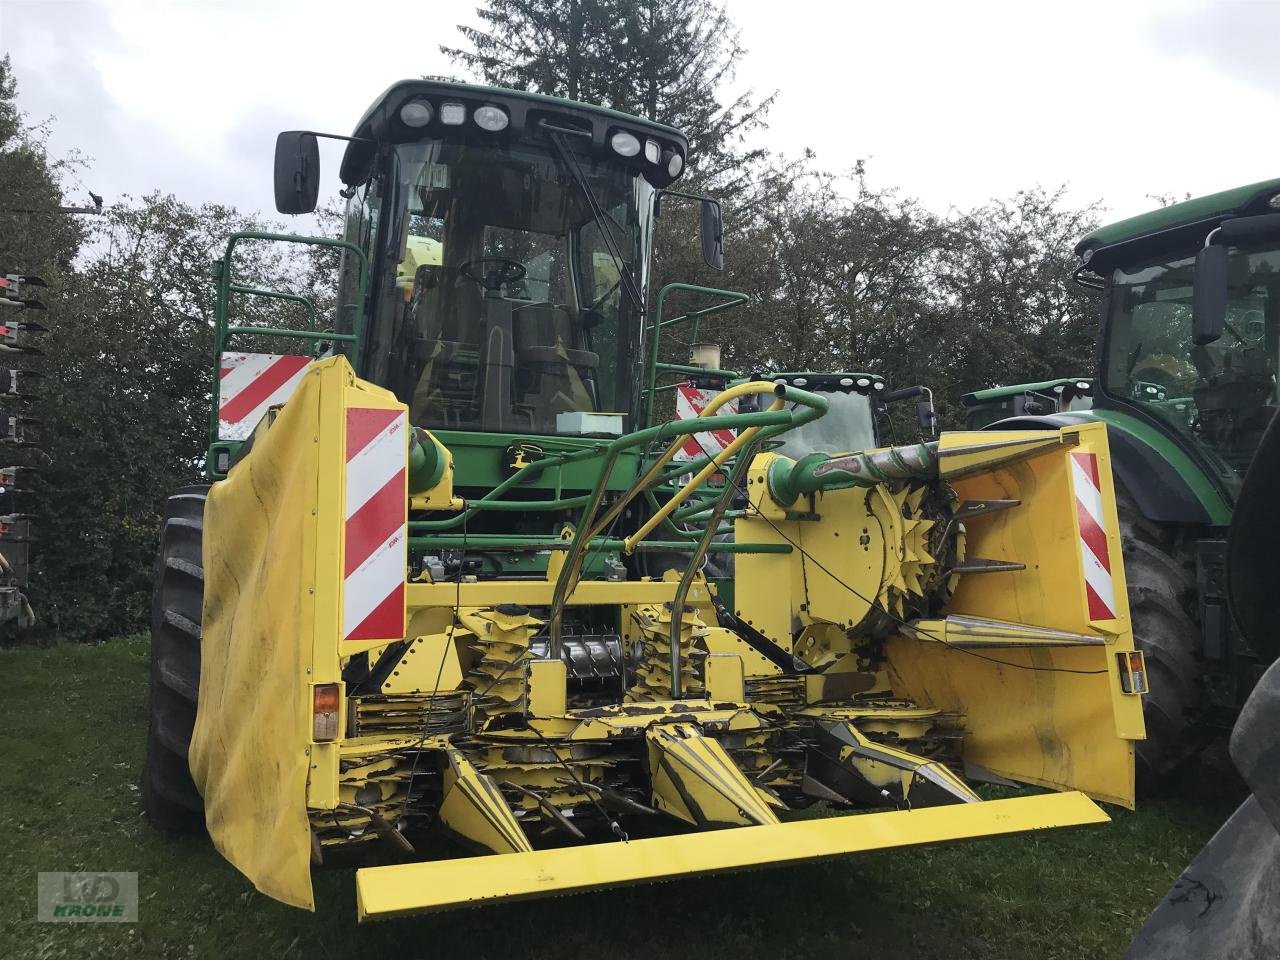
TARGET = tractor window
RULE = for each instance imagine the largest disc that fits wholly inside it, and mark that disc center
(506, 308)
(847, 427)
(1221, 395)
(361, 228)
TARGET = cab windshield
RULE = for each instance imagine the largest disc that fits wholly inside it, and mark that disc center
(847, 427)
(1221, 396)
(502, 307)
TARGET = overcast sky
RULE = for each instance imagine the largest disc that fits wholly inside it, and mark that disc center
(954, 102)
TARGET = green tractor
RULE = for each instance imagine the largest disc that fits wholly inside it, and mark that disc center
(1186, 383)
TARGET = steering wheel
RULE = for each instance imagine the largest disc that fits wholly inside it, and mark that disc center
(504, 271)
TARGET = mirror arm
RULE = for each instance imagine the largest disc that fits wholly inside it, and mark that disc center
(925, 412)
(687, 196)
(337, 136)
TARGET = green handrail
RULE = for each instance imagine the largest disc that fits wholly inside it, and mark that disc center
(277, 295)
(223, 330)
(666, 431)
(731, 299)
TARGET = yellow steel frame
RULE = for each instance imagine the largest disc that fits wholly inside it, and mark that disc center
(538, 593)
(392, 891)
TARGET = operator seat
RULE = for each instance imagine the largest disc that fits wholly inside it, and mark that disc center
(552, 376)
(447, 348)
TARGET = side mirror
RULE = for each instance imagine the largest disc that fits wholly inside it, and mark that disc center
(925, 413)
(712, 234)
(1209, 295)
(297, 172)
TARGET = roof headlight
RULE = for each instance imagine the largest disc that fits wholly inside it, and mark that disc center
(624, 144)
(453, 114)
(675, 165)
(416, 113)
(652, 152)
(491, 118)
(864, 382)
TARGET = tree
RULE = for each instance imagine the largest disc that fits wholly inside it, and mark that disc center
(35, 235)
(125, 400)
(1009, 307)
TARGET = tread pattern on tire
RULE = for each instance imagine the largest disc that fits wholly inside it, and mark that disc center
(169, 796)
(1161, 591)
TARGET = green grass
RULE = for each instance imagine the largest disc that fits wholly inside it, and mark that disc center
(72, 720)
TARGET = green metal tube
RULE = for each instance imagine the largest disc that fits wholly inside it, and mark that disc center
(224, 288)
(426, 461)
(696, 371)
(818, 471)
(666, 431)
(733, 299)
(292, 334)
(279, 295)
(501, 506)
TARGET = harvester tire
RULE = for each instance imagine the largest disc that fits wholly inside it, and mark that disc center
(170, 799)
(1161, 591)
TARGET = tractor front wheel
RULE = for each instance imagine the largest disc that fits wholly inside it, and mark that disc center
(169, 796)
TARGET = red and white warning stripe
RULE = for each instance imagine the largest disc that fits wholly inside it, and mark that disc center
(377, 534)
(1094, 553)
(690, 402)
(250, 383)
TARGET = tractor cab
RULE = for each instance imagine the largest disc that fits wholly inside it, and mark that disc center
(1027, 400)
(508, 238)
(1211, 388)
(858, 418)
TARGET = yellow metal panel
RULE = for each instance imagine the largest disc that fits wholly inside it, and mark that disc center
(547, 693)
(1053, 716)
(272, 622)
(725, 681)
(764, 582)
(720, 640)
(834, 543)
(429, 664)
(250, 747)
(391, 891)
(325, 544)
(533, 593)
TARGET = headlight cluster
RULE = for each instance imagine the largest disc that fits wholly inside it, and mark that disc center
(661, 160)
(665, 158)
(418, 113)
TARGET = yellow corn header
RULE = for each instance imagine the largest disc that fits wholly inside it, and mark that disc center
(911, 622)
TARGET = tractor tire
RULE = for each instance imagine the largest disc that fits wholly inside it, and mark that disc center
(170, 799)
(1161, 594)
